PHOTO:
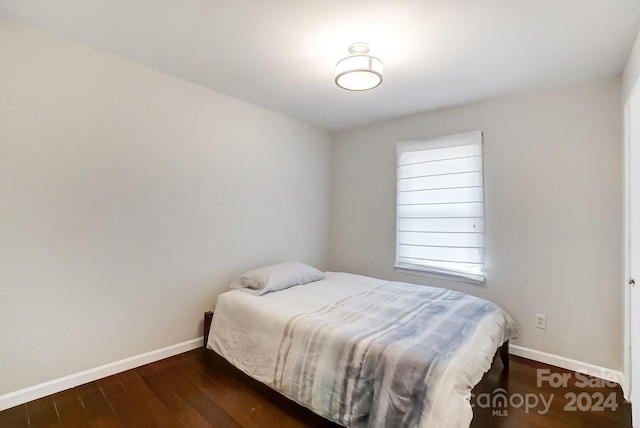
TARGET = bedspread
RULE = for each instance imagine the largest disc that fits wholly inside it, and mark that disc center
(365, 352)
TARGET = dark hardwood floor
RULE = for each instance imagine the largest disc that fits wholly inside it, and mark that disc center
(199, 389)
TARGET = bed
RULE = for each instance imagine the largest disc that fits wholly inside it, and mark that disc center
(360, 351)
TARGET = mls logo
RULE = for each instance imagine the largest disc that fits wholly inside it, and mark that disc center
(502, 412)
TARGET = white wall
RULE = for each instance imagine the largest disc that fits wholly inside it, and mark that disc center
(553, 164)
(129, 199)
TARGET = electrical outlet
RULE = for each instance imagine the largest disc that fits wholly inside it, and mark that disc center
(541, 321)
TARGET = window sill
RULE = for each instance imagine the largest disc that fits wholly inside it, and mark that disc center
(476, 279)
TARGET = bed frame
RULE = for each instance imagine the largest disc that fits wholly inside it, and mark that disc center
(208, 318)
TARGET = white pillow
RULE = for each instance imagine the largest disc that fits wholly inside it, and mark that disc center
(276, 277)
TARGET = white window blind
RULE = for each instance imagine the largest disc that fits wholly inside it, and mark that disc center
(440, 206)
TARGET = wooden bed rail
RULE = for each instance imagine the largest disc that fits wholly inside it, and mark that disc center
(208, 318)
(504, 354)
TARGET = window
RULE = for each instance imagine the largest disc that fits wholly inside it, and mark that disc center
(440, 207)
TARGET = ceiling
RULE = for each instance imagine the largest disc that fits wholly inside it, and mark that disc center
(280, 54)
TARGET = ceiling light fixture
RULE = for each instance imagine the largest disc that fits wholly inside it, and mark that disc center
(359, 72)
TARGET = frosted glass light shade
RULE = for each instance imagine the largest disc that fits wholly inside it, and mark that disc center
(359, 72)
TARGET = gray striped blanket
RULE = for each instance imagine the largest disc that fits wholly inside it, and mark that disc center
(386, 355)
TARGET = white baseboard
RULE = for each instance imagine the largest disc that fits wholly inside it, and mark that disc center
(42, 390)
(569, 364)
(38, 391)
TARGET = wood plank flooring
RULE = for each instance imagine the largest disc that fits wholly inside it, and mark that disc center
(199, 389)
